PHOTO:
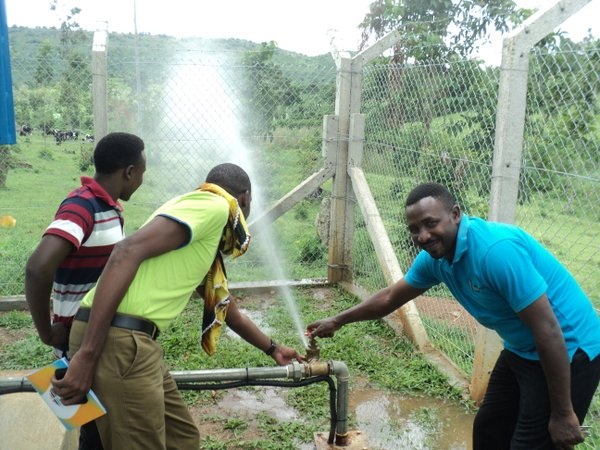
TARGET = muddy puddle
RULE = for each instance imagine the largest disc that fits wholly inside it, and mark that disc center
(386, 421)
(391, 421)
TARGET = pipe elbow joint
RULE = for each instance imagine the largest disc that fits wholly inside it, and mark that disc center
(340, 370)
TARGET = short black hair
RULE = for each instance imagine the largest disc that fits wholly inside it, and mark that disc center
(435, 190)
(230, 177)
(116, 151)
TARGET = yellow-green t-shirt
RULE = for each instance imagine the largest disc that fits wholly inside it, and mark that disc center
(163, 284)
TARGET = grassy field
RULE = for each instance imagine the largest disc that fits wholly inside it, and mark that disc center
(43, 173)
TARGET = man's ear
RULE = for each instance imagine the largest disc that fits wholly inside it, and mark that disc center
(127, 171)
(456, 212)
(244, 199)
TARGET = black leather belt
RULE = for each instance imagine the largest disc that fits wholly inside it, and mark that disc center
(124, 321)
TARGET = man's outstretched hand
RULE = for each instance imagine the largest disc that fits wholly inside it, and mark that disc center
(285, 355)
(324, 328)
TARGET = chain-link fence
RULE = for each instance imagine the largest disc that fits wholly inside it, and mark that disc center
(52, 98)
(423, 127)
(435, 121)
(559, 189)
(231, 106)
(195, 104)
(261, 108)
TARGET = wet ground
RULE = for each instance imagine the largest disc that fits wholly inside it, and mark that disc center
(391, 421)
(387, 421)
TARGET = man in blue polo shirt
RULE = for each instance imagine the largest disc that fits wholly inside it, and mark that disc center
(544, 380)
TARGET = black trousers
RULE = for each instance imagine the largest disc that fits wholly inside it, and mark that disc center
(89, 438)
(515, 411)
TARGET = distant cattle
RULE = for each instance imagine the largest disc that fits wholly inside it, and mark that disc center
(61, 136)
(25, 130)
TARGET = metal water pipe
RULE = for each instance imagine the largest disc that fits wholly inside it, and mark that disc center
(301, 374)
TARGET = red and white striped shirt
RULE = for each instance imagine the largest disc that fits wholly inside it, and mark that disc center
(90, 220)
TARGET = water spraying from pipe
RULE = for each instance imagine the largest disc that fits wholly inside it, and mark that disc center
(277, 263)
(202, 118)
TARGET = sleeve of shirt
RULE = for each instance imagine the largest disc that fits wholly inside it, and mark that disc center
(510, 271)
(204, 216)
(74, 221)
(421, 274)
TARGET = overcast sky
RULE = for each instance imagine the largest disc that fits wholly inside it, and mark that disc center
(302, 26)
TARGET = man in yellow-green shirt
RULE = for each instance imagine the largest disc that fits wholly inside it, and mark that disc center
(146, 283)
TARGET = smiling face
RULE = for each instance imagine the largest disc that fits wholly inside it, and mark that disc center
(433, 226)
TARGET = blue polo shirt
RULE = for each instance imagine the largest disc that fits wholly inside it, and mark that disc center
(499, 270)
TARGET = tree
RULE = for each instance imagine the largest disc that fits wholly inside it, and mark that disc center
(429, 77)
(438, 28)
(437, 38)
(267, 91)
(71, 33)
(44, 72)
(75, 92)
(563, 106)
(74, 85)
(434, 33)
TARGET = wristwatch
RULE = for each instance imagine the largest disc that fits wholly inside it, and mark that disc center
(271, 349)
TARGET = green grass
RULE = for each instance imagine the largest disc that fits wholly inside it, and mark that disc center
(457, 344)
(15, 320)
(570, 236)
(367, 347)
(42, 174)
(27, 353)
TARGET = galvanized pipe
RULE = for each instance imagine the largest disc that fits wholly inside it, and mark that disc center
(11, 385)
(340, 370)
(295, 371)
(292, 371)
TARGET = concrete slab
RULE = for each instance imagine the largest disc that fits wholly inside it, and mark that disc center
(26, 423)
(355, 440)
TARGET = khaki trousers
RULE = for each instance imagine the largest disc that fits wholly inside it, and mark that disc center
(144, 408)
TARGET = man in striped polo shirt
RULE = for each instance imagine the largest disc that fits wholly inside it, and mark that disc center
(75, 247)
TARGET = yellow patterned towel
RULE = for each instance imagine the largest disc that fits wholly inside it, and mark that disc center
(234, 242)
(216, 303)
